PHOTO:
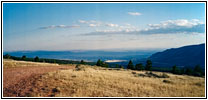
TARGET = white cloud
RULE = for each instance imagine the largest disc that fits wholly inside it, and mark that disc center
(59, 26)
(193, 26)
(128, 24)
(92, 25)
(134, 13)
(106, 31)
(83, 22)
(114, 29)
(176, 23)
(176, 26)
(89, 22)
(111, 25)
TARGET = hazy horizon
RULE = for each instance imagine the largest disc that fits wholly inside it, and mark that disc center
(107, 50)
(102, 26)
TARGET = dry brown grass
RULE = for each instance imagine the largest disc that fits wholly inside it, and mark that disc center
(100, 82)
(8, 63)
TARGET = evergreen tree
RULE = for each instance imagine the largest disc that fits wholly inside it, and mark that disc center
(117, 66)
(82, 62)
(189, 71)
(182, 71)
(104, 65)
(121, 66)
(139, 66)
(197, 71)
(175, 70)
(54, 61)
(23, 57)
(130, 65)
(148, 65)
(7, 56)
(99, 62)
(36, 59)
(197, 68)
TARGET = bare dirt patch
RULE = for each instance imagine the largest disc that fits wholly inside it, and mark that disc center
(17, 81)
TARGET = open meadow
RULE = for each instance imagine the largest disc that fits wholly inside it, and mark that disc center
(51, 80)
(104, 49)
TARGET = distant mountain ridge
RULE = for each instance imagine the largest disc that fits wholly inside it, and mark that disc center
(188, 56)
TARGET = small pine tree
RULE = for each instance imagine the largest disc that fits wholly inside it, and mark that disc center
(182, 71)
(103, 64)
(23, 57)
(197, 71)
(54, 61)
(99, 62)
(189, 71)
(130, 65)
(82, 62)
(139, 66)
(36, 59)
(175, 70)
(117, 66)
(148, 65)
(197, 68)
(121, 66)
(106, 65)
(7, 56)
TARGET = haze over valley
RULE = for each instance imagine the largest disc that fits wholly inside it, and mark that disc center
(106, 50)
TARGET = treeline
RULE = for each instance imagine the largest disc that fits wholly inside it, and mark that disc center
(140, 66)
(196, 71)
(102, 63)
(37, 59)
(107, 65)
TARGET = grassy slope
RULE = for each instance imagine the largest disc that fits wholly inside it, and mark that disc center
(101, 82)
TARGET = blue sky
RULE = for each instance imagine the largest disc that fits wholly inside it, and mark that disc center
(101, 26)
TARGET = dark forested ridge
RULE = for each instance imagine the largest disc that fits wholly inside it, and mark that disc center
(187, 56)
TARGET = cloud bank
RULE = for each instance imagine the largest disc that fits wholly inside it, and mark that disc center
(176, 26)
(164, 27)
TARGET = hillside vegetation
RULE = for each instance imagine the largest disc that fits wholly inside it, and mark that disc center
(8, 63)
(93, 81)
(187, 56)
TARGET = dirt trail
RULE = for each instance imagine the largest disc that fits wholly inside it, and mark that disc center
(17, 81)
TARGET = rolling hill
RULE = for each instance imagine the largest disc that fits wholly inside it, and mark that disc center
(188, 56)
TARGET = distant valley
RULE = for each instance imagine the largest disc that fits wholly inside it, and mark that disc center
(90, 56)
(187, 56)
